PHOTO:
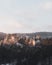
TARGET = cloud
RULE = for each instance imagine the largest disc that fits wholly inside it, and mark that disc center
(46, 5)
(8, 24)
(24, 18)
(49, 28)
(34, 12)
(25, 14)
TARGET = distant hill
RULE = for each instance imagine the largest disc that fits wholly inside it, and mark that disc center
(42, 34)
(2, 35)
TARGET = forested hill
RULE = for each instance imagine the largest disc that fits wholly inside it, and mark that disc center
(24, 54)
(2, 35)
(42, 34)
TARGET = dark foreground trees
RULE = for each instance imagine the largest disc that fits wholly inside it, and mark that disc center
(26, 55)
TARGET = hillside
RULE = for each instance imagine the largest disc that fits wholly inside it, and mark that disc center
(42, 34)
(2, 35)
(20, 54)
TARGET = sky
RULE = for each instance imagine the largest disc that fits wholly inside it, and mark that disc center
(25, 16)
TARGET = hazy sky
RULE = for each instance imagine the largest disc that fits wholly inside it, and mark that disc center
(25, 15)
